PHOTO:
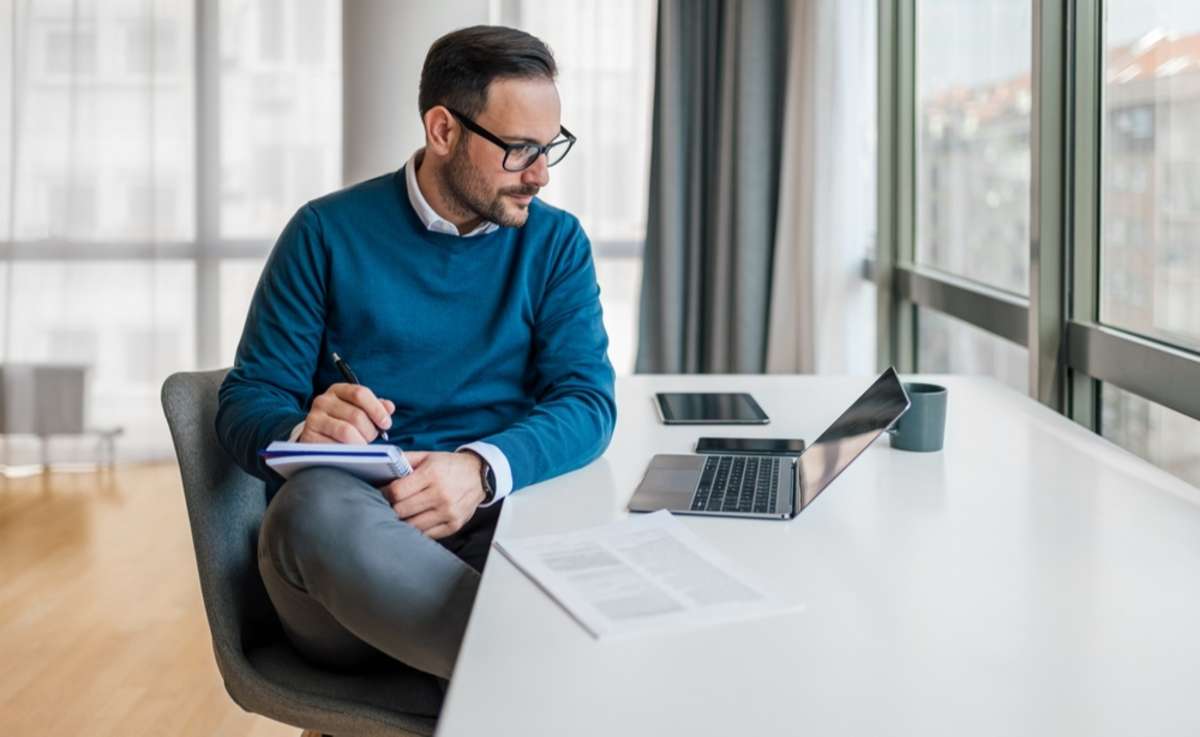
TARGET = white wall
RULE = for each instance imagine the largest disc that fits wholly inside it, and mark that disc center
(383, 46)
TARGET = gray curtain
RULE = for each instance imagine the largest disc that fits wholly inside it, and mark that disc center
(714, 184)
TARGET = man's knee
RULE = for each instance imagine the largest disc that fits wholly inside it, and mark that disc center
(313, 517)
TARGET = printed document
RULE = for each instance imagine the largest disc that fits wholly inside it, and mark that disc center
(640, 575)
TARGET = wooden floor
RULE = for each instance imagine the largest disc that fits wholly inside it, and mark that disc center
(102, 630)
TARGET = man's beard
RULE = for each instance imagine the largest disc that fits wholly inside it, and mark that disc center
(467, 192)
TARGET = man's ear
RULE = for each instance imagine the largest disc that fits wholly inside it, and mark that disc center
(441, 130)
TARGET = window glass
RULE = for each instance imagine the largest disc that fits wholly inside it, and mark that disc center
(132, 322)
(972, 137)
(604, 52)
(1164, 437)
(280, 109)
(948, 345)
(1150, 172)
(102, 146)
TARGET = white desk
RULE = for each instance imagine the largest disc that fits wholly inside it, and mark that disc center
(1031, 579)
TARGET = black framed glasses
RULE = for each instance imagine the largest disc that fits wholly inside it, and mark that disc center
(521, 156)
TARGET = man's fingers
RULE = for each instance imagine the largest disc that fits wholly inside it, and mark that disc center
(365, 399)
(423, 501)
(437, 532)
(389, 405)
(308, 435)
(405, 487)
(416, 457)
(331, 427)
(428, 519)
(350, 413)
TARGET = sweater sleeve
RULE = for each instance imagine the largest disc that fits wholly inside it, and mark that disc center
(574, 412)
(268, 390)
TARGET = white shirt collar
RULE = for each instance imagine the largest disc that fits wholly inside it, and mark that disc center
(434, 222)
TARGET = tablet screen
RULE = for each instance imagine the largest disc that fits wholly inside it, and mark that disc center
(715, 408)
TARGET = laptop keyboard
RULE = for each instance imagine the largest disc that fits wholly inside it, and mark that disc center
(745, 484)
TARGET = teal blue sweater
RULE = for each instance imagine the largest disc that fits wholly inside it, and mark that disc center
(496, 338)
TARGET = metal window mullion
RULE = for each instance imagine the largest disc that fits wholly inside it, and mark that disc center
(885, 186)
(107, 250)
(1156, 371)
(208, 162)
(1049, 154)
(895, 317)
(1083, 404)
(1098, 354)
(1000, 313)
(906, 170)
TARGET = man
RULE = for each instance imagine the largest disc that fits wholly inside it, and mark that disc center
(470, 313)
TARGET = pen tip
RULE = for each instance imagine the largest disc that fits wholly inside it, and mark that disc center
(336, 357)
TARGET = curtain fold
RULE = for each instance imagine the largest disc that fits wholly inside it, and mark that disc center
(791, 335)
(714, 179)
(822, 310)
(762, 189)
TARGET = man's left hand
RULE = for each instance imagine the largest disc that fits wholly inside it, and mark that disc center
(440, 495)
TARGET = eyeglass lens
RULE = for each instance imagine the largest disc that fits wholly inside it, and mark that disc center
(524, 157)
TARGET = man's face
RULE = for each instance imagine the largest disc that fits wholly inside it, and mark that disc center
(518, 111)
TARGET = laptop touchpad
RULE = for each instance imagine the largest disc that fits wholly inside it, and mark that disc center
(666, 480)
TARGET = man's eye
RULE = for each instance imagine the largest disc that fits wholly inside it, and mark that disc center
(526, 152)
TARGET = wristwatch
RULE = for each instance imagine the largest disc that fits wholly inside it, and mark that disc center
(487, 479)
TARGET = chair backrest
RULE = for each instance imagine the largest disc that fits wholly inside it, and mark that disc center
(225, 507)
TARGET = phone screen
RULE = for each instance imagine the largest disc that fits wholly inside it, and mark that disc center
(776, 446)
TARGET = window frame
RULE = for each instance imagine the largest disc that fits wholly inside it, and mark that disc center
(1071, 354)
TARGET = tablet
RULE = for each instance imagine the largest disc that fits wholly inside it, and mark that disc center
(709, 409)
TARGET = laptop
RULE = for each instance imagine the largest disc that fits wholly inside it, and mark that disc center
(771, 487)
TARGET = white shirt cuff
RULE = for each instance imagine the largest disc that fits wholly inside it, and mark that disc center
(299, 428)
(500, 468)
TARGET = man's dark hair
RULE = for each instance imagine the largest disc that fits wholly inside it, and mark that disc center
(460, 66)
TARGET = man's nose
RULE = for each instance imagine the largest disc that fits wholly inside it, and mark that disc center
(538, 174)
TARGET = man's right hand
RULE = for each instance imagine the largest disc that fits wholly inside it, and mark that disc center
(346, 413)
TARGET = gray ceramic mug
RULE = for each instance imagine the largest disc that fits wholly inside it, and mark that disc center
(923, 427)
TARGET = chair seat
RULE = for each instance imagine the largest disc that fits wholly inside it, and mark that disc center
(404, 696)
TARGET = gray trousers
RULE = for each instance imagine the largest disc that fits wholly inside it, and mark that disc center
(352, 583)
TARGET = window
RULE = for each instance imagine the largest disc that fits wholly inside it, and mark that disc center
(1064, 131)
(131, 238)
(280, 137)
(70, 52)
(604, 52)
(972, 134)
(87, 148)
(238, 278)
(152, 48)
(87, 310)
(1150, 250)
(947, 345)
(1164, 437)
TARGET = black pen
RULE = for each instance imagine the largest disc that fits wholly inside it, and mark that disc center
(349, 376)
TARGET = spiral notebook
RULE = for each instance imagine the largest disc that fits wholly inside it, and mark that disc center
(375, 464)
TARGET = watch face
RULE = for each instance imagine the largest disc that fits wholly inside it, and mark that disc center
(487, 478)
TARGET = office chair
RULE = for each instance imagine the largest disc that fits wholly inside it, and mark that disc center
(262, 672)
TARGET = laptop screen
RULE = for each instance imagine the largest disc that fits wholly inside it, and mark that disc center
(850, 434)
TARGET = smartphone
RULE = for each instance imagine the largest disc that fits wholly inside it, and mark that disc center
(751, 446)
